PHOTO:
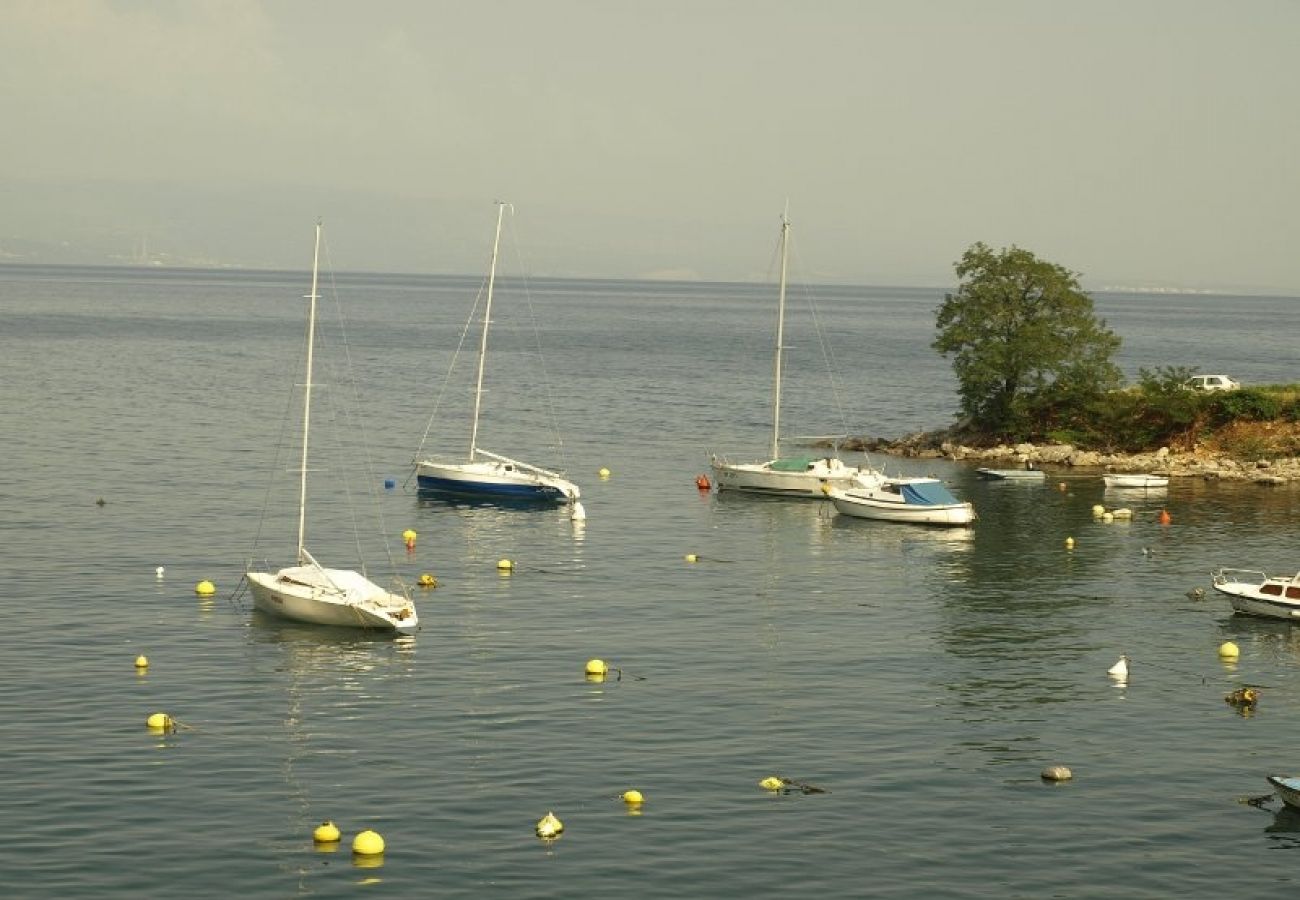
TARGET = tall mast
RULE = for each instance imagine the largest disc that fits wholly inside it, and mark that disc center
(306, 397)
(482, 347)
(780, 341)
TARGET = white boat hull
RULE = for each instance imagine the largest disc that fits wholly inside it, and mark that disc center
(807, 484)
(888, 502)
(1257, 594)
(319, 596)
(1127, 480)
(1011, 474)
(1288, 789)
(492, 478)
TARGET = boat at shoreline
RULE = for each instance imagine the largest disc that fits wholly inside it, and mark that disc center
(918, 500)
(1026, 474)
(1134, 480)
(485, 475)
(801, 476)
(307, 591)
(1255, 593)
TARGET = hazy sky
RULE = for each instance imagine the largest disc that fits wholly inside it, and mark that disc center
(1139, 142)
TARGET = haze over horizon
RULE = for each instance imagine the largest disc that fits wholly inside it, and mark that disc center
(1144, 144)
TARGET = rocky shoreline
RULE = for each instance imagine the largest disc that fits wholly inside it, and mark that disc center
(1203, 464)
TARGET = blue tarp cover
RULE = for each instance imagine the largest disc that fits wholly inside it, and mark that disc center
(928, 493)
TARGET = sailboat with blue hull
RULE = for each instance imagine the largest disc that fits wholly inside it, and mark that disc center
(490, 476)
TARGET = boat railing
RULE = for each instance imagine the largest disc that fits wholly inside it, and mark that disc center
(514, 462)
(1253, 576)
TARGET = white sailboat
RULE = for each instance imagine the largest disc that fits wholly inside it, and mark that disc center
(485, 475)
(800, 476)
(307, 591)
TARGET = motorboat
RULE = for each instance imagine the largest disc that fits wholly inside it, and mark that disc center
(1255, 593)
(920, 500)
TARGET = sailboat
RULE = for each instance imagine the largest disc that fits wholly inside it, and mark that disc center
(801, 476)
(485, 475)
(307, 591)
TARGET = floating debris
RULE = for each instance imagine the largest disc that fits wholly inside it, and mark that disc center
(1056, 773)
(1196, 593)
(788, 785)
(1119, 671)
(1243, 698)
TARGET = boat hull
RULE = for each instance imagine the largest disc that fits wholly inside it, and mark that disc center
(1135, 481)
(331, 597)
(804, 484)
(1011, 474)
(493, 479)
(887, 503)
(1288, 789)
(1258, 594)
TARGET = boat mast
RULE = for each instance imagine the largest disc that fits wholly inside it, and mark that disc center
(780, 340)
(482, 347)
(306, 398)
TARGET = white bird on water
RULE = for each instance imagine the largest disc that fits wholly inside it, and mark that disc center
(1119, 670)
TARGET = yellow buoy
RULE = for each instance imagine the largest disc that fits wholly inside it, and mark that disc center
(772, 783)
(427, 581)
(159, 720)
(1229, 650)
(326, 833)
(142, 661)
(1057, 773)
(204, 588)
(1098, 509)
(1108, 517)
(604, 473)
(548, 826)
(505, 565)
(1069, 543)
(596, 667)
(633, 797)
(368, 843)
(691, 557)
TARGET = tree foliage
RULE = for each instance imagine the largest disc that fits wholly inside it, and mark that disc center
(1029, 353)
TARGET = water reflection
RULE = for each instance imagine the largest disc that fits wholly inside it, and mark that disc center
(1284, 830)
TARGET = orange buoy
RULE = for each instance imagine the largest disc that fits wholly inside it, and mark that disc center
(702, 482)
(1164, 517)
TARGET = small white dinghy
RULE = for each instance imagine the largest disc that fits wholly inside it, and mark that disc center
(1259, 594)
(1135, 480)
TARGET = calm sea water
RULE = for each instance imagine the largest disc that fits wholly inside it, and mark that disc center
(922, 678)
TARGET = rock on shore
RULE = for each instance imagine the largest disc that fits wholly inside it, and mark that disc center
(1202, 464)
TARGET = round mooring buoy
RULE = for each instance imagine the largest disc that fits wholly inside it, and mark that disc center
(548, 826)
(633, 797)
(772, 783)
(142, 661)
(205, 588)
(326, 833)
(505, 565)
(1229, 650)
(596, 667)
(368, 843)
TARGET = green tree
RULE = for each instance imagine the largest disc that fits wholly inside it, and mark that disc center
(1027, 348)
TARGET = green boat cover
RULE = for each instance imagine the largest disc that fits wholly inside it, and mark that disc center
(794, 463)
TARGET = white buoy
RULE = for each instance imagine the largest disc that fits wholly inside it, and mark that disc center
(578, 513)
(159, 571)
(1119, 671)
